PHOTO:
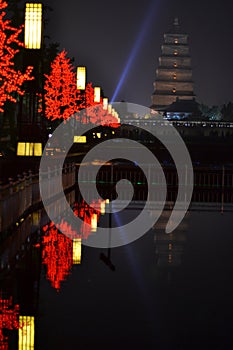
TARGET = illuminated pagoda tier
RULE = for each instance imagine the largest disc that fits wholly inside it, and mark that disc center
(174, 73)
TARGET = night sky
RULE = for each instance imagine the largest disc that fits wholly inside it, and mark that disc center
(120, 43)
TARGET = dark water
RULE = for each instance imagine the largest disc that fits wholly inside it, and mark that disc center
(161, 291)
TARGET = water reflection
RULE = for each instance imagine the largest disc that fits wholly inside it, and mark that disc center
(26, 333)
(170, 247)
(167, 292)
(9, 320)
(56, 255)
(62, 250)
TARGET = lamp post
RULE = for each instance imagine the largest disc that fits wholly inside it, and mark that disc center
(97, 93)
(81, 83)
(81, 78)
(33, 26)
(29, 119)
(105, 103)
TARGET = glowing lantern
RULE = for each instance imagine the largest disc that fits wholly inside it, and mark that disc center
(97, 94)
(80, 139)
(81, 78)
(94, 222)
(102, 207)
(37, 149)
(29, 149)
(109, 109)
(105, 103)
(26, 332)
(77, 250)
(33, 25)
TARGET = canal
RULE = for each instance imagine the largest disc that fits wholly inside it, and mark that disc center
(163, 291)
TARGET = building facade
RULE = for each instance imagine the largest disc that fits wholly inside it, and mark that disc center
(174, 73)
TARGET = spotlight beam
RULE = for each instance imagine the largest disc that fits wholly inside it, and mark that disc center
(143, 30)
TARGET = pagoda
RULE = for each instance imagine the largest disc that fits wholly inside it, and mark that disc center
(174, 74)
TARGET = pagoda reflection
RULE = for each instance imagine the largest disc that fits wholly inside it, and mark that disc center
(170, 247)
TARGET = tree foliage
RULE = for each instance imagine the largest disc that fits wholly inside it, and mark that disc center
(63, 99)
(61, 94)
(227, 111)
(210, 113)
(11, 79)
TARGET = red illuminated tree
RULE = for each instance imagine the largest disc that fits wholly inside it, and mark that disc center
(11, 80)
(61, 94)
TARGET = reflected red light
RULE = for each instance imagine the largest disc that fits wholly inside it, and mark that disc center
(9, 315)
(57, 247)
(57, 256)
(85, 212)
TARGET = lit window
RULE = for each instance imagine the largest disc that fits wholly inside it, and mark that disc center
(176, 41)
(174, 76)
(175, 64)
(174, 90)
(175, 52)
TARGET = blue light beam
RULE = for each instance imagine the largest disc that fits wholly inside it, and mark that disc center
(144, 28)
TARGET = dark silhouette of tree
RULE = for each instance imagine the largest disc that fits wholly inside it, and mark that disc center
(227, 111)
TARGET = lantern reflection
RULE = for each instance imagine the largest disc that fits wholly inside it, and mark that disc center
(77, 250)
(26, 333)
(94, 222)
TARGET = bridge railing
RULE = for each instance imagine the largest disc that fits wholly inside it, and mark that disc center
(18, 195)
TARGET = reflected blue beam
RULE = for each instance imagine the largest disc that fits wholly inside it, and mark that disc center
(143, 30)
(137, 271)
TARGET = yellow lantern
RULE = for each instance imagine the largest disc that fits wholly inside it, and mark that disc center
(81, 78)
(26, 333)
(77, 250)
(80, 139)
(29, 149)
(105, 103)
(33, 26)
(97, 92)
(94, 222)
(109, 109)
